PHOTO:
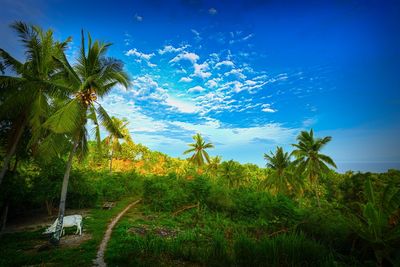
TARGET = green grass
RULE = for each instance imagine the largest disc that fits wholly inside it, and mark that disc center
(205, 238)
(18, 249)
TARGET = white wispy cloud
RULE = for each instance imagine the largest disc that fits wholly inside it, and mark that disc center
(236, 72)
(135, 52)
(212, 11)
(309, 122)
(144, 87)
(180, 105)
(224, 63)
(200, 70)
(120, 107)
(217, 102)
(192, 57)
(185, 79)
(140, 56)
(275, 132)
(212, 83)
(171, 49)
(197, 36)
(138, 18)
(267, 108)
(196, 89)
(239, 38)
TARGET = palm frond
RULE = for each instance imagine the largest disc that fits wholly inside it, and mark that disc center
(67, 119)
(92, 116)
(10, 62)
(107, 122)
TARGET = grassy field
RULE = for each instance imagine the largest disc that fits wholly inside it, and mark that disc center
(198, 237)
(29, 248)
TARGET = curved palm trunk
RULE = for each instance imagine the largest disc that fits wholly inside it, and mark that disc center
(11, 152)
(57, 234)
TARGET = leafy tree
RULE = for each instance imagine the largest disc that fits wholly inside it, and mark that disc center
(112, 141)
(94, 75)
(28, 94)
(309, 160)
(282, 177)
(199, 148)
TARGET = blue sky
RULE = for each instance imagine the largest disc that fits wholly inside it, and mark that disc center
(247, 75)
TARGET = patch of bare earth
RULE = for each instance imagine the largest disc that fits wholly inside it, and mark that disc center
(67, 241)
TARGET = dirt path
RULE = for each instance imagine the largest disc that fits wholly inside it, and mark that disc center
(99, 261)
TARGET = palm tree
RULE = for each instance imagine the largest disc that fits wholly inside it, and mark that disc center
(309, 160)
(199, 148)
(212, 167)
(113, 139)
(231, 171)
(93, 76)
(29, 93)
(281, 176)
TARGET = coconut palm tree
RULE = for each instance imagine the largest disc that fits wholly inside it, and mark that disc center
(93, 76)
(199, 148)
(112, 141)
(212, 167)
(282, 177)
(309, 160)
(29, 91)
(232, 172)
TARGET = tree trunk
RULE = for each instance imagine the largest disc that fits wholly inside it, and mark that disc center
(11, 152)
(316, 192)
(4, 218)
(15, 164)
(57, 234)
(111, 158)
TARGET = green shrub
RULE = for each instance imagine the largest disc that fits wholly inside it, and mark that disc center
(164, 193)
(199, 188)
(219, 199)
(248, 204)
(114, 186)
(279, 210)
(329, 226)
(81, 192)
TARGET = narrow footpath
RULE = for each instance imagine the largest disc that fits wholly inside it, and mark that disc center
(99, 261)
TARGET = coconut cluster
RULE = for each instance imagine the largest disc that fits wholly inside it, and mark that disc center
(88, 96)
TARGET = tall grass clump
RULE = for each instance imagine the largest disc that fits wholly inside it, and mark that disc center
(282, 250)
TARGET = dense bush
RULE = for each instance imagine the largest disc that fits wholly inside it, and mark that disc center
(249, 204)
(219, 199)
(164, 193)
(81, 192)
(329, 226)
(114, 186)
(169, 193)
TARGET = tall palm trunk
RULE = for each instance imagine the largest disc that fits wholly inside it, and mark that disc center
(314, 179)
(57, 234)
(11, 151)
(111, 158)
